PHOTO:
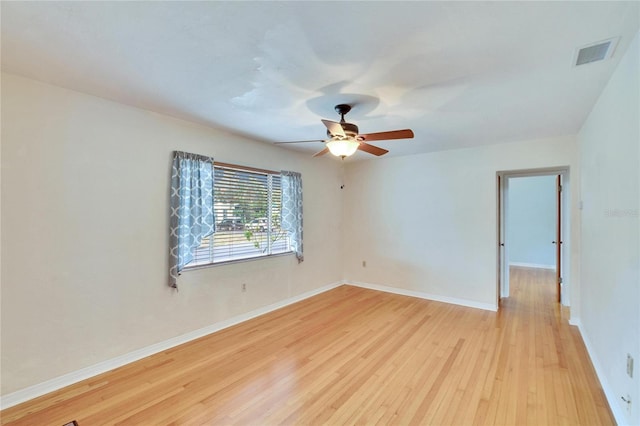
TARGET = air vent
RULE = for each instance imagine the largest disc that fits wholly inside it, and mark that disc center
(595, 52)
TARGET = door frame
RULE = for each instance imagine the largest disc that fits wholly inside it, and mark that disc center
(502, 203)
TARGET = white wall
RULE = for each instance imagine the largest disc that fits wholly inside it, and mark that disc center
(84, 232)
(609, 144)
(427, 223)
(531, 221)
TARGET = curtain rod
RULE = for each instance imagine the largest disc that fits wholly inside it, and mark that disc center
(246, 168)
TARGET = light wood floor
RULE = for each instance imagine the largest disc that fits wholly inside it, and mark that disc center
(356, 356)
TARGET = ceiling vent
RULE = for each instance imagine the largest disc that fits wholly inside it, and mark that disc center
(595, 52)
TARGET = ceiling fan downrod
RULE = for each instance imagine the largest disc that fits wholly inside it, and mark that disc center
(350, 130)
(342, 109)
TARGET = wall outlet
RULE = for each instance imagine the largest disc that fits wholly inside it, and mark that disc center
(630, 365)
(364, 263)
(244, 287)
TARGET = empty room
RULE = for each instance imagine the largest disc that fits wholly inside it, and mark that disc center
(306, 213)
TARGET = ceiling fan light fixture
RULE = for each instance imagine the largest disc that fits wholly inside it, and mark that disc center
(343, 147)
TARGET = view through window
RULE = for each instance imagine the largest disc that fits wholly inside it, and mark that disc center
(247, 215)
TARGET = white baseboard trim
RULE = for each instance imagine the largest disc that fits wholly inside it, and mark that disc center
(427, 296)
(43, 388)
(612, 398)
(532, 265)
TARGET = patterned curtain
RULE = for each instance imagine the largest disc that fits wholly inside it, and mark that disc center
(191, 217)
(292, 210)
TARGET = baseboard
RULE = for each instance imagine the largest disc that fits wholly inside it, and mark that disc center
(532, 265)
(40, 389)
(612, 399)
(427, 296)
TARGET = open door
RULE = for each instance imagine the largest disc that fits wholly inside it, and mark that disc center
(502, 249)
(499, 239)
(558, 240)
(503, 265)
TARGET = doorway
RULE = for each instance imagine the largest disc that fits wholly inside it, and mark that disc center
(533, 226)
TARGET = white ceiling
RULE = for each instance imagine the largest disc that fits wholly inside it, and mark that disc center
(459, 74)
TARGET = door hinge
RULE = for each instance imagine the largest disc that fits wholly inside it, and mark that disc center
(559, 188)
(560, 280)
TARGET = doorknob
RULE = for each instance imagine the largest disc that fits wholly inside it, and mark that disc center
(501, 244)
(553, 242)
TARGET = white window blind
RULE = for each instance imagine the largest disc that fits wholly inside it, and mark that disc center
(247, 215)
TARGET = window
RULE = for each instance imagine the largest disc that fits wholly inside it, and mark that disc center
(246, 204)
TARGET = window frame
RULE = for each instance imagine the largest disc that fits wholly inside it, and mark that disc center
(269, 201)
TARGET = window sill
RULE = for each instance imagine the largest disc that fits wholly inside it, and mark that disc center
(229, 262)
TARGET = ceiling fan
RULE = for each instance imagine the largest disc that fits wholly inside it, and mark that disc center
(344, 139)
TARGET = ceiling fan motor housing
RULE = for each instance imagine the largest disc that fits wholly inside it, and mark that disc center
(350, 129)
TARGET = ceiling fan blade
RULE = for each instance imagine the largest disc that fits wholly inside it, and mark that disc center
(313, 140)
(383, 136)
(372, 149)
(334, 128)
(323, 152)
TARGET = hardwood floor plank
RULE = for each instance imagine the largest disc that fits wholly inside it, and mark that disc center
(356, 356)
